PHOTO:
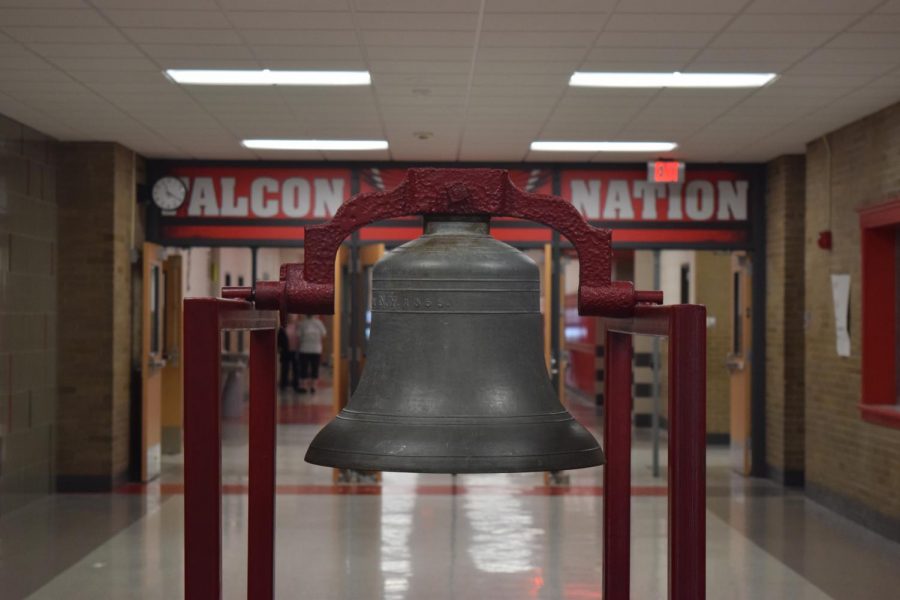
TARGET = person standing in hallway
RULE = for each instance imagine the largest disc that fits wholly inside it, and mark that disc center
(288, 346)
(311, 331)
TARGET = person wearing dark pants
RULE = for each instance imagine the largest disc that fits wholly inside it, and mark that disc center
(311, 332)
(288, 343)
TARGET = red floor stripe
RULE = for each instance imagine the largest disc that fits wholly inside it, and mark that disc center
(376, 490)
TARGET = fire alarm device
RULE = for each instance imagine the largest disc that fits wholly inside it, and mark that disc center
(169, 193)
(665, 171)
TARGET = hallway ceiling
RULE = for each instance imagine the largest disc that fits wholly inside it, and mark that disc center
(483, 77)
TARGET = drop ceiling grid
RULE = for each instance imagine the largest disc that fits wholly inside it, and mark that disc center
(836, 57)
(769, 124)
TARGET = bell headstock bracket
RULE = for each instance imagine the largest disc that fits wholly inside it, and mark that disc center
(308, 287)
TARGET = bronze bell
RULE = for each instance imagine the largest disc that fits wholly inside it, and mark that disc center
(455, 380)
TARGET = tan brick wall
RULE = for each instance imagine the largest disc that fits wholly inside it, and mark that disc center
(785, 210)
(849, 462)
(96, 197)
(28, 313)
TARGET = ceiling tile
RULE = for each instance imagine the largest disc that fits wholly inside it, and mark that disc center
(294, 20)
(82, 35)
(415, 21)
(203, 51)
(536, 39)
(682, 23)
(71, 50)
(277, 5)
(429, 6)
(105, 64)
(661, 39)
(879, 23)
(544, 22)
(881, 41)
(175, 19)
(156, 35)
(418, 38)
(513, 53)
(56, 17)
(737, 39)
(688, 6)
(812, 6)
(802, 23)
(286, 37)
(627, 55)
(158, 4)
(438, 53)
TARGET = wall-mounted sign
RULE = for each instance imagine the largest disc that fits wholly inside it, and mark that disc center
(710, 207)
(240, 205)
(665, 171)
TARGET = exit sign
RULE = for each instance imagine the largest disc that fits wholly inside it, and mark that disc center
(665, 171)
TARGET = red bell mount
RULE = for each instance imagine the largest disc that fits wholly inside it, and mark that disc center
(309, 287)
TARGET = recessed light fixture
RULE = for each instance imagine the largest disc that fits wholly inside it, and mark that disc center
(671, 80)
(603, 146)
(267, 77)
(316, 144)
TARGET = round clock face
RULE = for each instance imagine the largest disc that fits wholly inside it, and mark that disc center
(169, 193)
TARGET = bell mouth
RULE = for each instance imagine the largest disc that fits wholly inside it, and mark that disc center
(416, 445)
(456, 224)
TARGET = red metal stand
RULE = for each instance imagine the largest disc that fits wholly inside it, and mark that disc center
(685, 326)
(309, 288)
(204, 320)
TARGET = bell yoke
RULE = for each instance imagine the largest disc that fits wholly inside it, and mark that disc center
(455, 380)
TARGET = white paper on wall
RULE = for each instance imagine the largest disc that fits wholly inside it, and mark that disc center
(840, 291)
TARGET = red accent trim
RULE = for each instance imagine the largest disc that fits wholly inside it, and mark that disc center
(233, 232)
(172, 489)
(617, 470)
(879, 313)
(202, 450)
(685, 326)
(261, 519)
(880, 215)
(889, 416)
(204, 319)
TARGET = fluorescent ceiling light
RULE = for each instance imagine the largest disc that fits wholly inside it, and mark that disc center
(603, 146)
(672, 80)
(267, 77)
(316, 144)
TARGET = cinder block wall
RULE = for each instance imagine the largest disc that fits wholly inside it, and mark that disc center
(785, 343)
(851, 465)
(28, 275)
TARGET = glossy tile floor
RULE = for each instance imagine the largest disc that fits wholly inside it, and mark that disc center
(438, 537)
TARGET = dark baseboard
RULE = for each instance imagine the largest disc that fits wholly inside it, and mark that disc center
(88, 484)
(787, 477)
(718, 439)
(855, 510)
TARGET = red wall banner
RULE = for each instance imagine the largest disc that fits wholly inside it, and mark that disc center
(269, 206)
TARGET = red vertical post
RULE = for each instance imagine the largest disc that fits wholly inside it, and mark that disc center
(617, 471)
(261, 543)
(687, 452)
(202, 452)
